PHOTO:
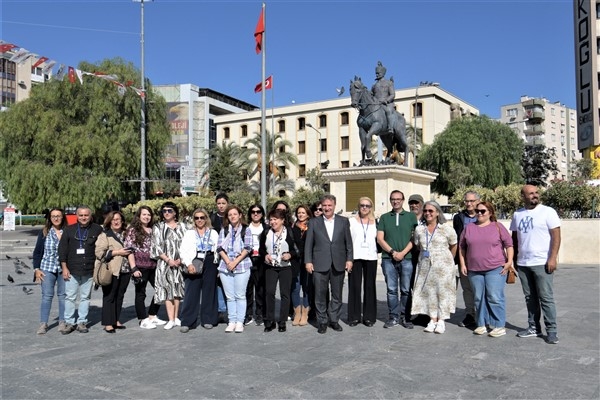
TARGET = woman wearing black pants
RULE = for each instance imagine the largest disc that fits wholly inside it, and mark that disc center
(200, 274)
(277, 249)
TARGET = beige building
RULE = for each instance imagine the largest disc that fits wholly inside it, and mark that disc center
(325, 132)
(539, 121)
(16, 79)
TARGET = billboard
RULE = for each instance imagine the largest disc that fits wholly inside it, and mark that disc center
(178, 115)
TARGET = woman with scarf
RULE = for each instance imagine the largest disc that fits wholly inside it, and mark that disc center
(301, 280)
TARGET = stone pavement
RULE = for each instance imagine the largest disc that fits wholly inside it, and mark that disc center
(358, 363)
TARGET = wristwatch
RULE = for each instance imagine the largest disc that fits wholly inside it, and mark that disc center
(391, 252)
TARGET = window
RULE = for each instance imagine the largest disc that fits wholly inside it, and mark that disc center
(553, 125)
(564, 152)
(597, 10)
(345, 142)
(281, 169)
(553, 137)
(225, 133)
(552, 111)
(323, 143)
(512, 112)
(281, 125)
(301, 123)
(345, 164)
(301, 170)
(322, 121)
(573, 141)
(573, 154)
(301, 147)
(417, 109)
(562, 139)
(281, 149)
(344, 118)
(562, 113)
(244, 130)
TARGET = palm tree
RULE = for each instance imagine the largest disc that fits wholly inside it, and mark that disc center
(221, 169)
(414, 147)
(279, 160)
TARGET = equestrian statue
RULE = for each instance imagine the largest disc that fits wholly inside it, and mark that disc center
(378, 116)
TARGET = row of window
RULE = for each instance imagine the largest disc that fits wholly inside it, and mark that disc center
(302, 168)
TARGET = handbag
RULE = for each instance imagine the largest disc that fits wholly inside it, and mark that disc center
(198, 265)
(102, 274)
(511, 277)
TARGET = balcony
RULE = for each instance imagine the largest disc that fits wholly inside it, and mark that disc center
(534, 130)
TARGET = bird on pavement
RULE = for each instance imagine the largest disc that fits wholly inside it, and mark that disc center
(25, 265)
(10, 279)
(8, 257)
(27, 291)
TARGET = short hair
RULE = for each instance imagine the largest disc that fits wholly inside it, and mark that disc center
(206, 214)
(474, 193)
(169, 204)
(255, 205)
(440, 218)
(397, 191)
(328, 196)
(109, 217)
(222, 196)
(314, 206)
(279, 214)
(83, 207)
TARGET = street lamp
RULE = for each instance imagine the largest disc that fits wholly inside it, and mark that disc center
(319, 147)
(143, 97)
(422, 83)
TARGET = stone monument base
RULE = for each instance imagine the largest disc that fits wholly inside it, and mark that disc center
(376, 182)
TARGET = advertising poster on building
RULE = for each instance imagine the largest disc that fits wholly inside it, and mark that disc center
(179, 121)
(9, 218)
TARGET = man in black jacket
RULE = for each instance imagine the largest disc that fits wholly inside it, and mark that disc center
(76, 253)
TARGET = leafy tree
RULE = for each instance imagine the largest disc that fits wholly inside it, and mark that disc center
(490, 150)
(573, 200)
(71, 144)
(277, 164)
(315, 179)
(538, 163)
(222, 166)
(583, 169)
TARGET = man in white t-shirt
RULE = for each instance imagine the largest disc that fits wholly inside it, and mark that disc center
(536, 237)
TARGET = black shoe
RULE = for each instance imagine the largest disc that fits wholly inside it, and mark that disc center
(248, 320)
(368, 323)
(282, 327)
(119, 327)
(406, 324)
(322, 328)
(467, 322)
(259, 321)
(223, 319)
(269, 326)
(353, 323)
(109, 330)
(336, 326)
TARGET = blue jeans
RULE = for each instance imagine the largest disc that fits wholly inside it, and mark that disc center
(82, 285)
(397, 274)
(304, 281)
(222, 305)
(52, 279)
(488, 296)
(539, 296)
(234, 286)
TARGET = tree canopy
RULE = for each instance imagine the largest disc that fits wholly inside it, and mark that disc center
(72, 143)
(473, 151)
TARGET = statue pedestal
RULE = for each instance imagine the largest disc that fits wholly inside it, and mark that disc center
(376, 182)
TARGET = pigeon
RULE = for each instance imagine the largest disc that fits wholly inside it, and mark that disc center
(25, 265)
(10, 279)
(340, 91)
(27, 291)
(8, 257)
(18, 269)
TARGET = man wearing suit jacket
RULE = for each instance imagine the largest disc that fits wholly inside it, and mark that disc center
(328, 255)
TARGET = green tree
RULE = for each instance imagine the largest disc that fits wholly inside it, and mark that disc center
(72, 143)
(489, 149)
(223, 168)
(582, 170)
(315, 179)
(278, 161)
(538, 163)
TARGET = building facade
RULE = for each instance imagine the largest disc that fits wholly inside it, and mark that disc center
(16, 79)
(325, 133)
(539, 121)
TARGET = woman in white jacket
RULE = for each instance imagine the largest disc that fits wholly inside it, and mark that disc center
(200, 273)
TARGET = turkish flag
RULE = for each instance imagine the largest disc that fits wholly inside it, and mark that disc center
(268, 85)
(71, 74)
(258, 32)
(39, 62)
(4, 47)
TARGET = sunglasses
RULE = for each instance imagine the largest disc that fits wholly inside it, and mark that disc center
(413, 203)
(168, 211)
(428, 211)
(202, 218)
(365, 206)
(256, 212)
(481, 212)
(319, 209)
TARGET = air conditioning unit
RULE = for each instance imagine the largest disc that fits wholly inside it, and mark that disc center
(21, 82)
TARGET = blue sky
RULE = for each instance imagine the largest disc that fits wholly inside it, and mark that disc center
(487, 53)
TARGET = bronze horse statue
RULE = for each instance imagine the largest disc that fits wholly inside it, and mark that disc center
(372, 121)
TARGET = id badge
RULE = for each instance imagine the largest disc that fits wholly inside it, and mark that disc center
(200, 255)
(426, 253)
(81, 251)
(364, 245)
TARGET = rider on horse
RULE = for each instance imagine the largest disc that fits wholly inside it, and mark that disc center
(383, 91)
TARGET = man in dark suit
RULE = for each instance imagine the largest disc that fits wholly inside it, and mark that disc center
(328, 255)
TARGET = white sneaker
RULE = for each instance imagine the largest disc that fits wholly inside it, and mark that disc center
(169, 325)
(177, 322)
(497, 332)
(147, 324)
(157, 321)
(480, 330)
(430, 327)
(440, 327)
(239, 327)
(230, 327)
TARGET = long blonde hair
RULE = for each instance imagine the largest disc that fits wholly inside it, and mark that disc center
(371, 214)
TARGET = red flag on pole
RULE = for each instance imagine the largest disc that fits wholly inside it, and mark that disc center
(71, 74)
(4, 47)
(39, 62)
(268, 85)
(258, 32)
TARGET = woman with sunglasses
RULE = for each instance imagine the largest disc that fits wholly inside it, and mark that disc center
(302, 280)
(166, 241)
(143, 267)
(255, 291)
(434, 292)
(48, 271)
(200, 272)
(486, 254)
(364, 239)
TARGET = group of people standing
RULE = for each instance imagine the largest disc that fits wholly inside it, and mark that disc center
(224, 265)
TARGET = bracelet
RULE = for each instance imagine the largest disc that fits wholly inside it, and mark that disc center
(134, 269)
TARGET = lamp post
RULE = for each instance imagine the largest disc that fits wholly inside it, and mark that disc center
(319, 146)
(143, 97)
(422, 83)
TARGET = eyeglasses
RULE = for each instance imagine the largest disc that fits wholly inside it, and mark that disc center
(365, 206)
(202, 218)
(428, 211)
(470, 201)
(319, 210)
(395, 199)
(56, 216)
(482, 212)
(255, 212)
(168, 211)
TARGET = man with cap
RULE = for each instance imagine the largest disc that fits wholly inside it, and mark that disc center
(394, 234)
(415, 204)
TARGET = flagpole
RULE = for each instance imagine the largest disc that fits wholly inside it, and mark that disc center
(263, 120)
(273, 137)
